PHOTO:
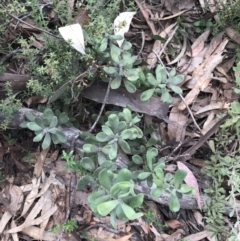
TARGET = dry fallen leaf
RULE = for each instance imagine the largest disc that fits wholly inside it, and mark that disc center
(191, 180)
(124, 238)
(173, 223)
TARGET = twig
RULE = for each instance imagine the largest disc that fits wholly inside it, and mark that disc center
(191, 114)
(28, 24)
(103, 105)
(166, 43)
(103, 226)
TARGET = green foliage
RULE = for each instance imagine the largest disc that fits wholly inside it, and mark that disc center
(68, 226)
(46, 128)
(8, 106)
(114, 189)
(160, 83)
(202, 25)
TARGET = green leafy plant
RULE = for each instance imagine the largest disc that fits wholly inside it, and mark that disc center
(46, 127)
(113, 189)
(202, 25)
(121, 67)
(160, 83)
(153, 172)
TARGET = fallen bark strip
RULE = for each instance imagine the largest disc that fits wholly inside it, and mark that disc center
(74, 142)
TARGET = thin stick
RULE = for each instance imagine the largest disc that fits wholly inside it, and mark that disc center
(42, 30)
(103, 105)
(166, 43)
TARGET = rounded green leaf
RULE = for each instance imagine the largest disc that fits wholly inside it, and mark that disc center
(120, 187)
(127, 115)
(84, 181)
(156, 192)
(106, 207)
(59, 137)
(33, 126)
(135, 201)
(176, 80)
(105, 179)
(179, 177)
(113, 151)
(113, 121)
(144, 175)
(131, 74)
(116, 82)
(124, 175)
(115, 53)
(186, 189)
(90, 148)
(151, 154)
(63, 118)
(30, 116)
(88, 164)
(166, 97)
(103, 137)
(46, 141)
(54, 122)
(100, 199)
(124, 146)
(38, 137)
(126, 45)
(110, 70)
(129, 212)
(107, 130)
(48, 114)
(137, 159)
(152, 80)
(130, 87)
(174, 204)
(161, 74)
(176, 89)
(146, 95)
(126, 134)
(103, 45)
